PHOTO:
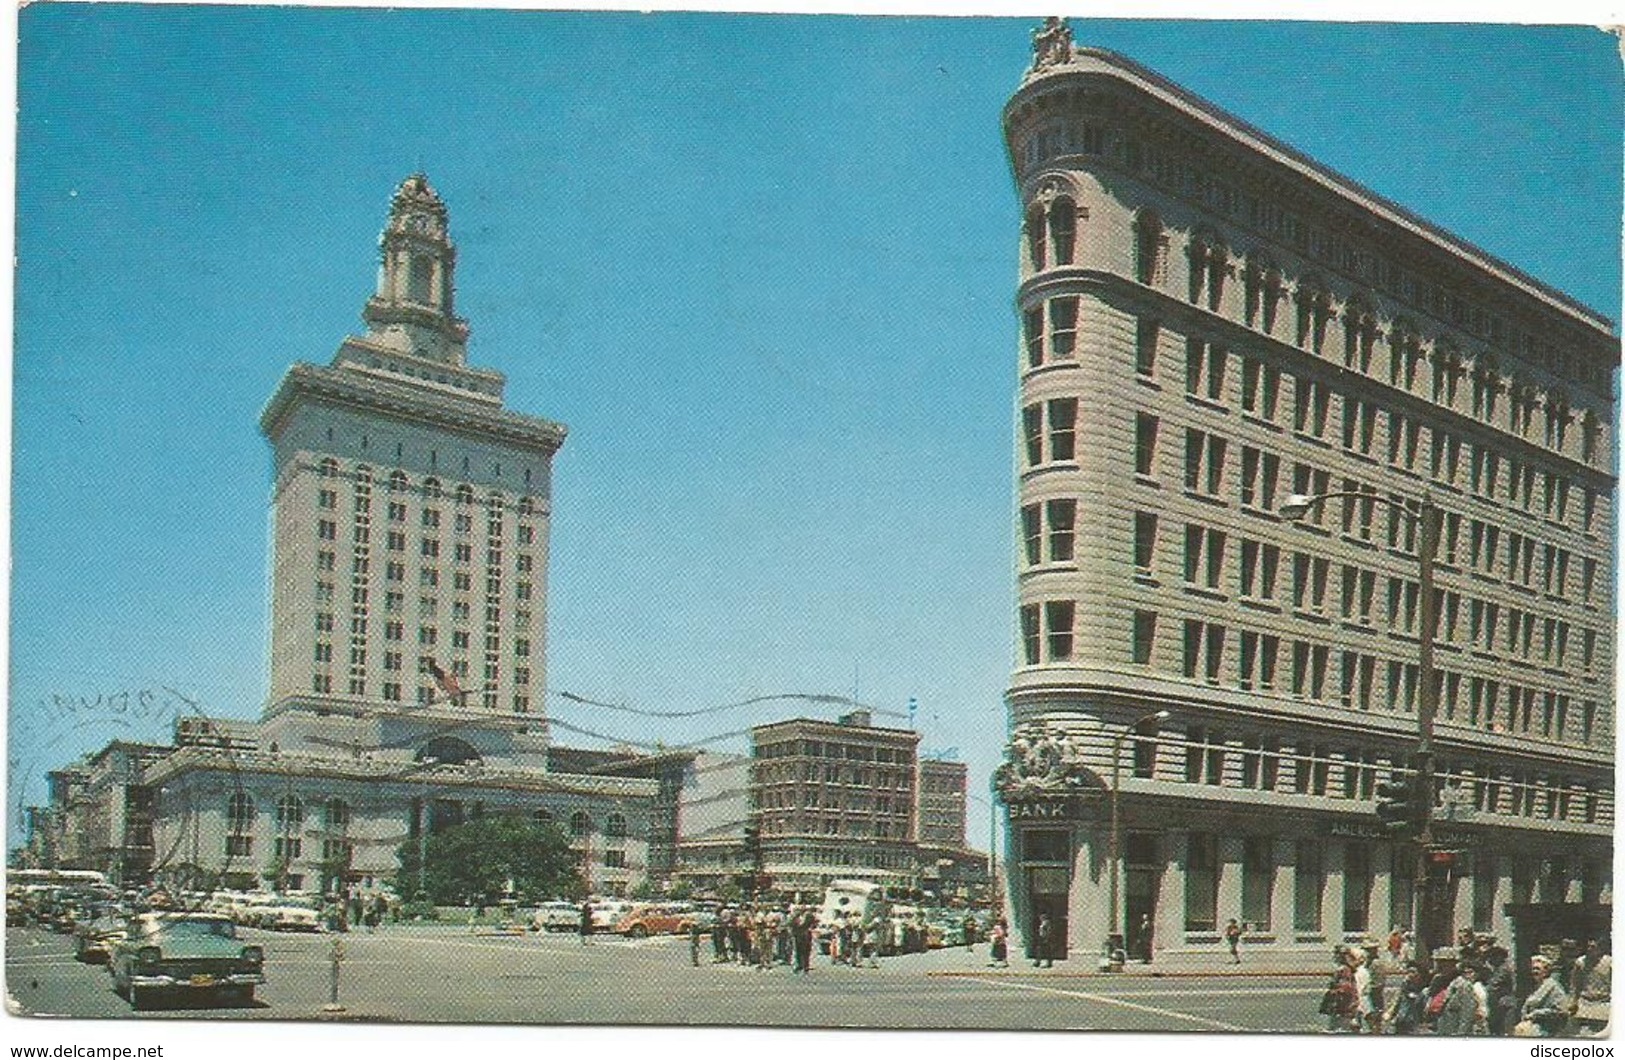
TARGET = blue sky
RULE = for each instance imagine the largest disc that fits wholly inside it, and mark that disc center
(762, 266)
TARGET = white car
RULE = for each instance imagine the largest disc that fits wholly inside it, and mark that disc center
(557, 916)
(290, 914)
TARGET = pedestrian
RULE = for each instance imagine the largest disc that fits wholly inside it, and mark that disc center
(1591, 981)
(1408, 1004)
(1501, 987)
(801, 941)
(586, 922)
(970, 928)
(1340, 1004)
(1043, 941)
(694, 942)
(375, 916)
(1232, 938)
(1458, 1016)
(1546, 1009)
(1143, 938)
(999, 945)
(719, 937)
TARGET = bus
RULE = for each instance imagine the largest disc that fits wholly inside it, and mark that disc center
(842, 898)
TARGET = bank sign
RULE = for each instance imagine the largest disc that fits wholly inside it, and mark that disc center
(1053, 808)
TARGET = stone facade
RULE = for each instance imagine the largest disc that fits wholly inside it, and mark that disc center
(1212, 322)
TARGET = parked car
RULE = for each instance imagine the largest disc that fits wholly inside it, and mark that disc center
(186, 954)
(606, 913)
(289, 913)
(645, 920)
(556, 916)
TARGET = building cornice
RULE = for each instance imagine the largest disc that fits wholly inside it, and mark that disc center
(284, 766)
(309, 382)
(1096, 65)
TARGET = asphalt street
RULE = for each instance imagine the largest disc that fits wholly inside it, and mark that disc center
(432, 974)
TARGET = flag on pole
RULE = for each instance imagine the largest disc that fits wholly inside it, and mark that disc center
(447, 682)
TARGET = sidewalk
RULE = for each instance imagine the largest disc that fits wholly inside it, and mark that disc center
(1308, 963)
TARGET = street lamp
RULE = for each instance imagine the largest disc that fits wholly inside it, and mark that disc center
(1427, 519)
(426, 763)
(1115, 855)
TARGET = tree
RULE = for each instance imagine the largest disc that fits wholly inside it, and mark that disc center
(477, 861)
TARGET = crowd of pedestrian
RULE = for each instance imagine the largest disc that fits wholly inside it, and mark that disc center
(1468, 990)
(765, 937)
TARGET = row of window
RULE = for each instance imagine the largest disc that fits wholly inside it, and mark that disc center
(1251, 660)
(1261, 762)
(431, 488)
(429, 547)
(1333, 244)
(1261, 570)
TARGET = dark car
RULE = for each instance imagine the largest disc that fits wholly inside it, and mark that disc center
(184, 954)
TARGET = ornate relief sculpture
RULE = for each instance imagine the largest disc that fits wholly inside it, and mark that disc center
(1052, 43)
(1041, 761)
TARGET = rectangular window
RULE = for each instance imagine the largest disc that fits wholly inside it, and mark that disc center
(1145, 633)
(1260, 388)
(1145, 444)
(1204, 462)
(1257, 881)
(1201, 882)
(1309, 887)
(1063, 328)
(1058, 622)
(1145, 542)
(1312, 401)
(1032, 422)
(1145, 347)
(1030, 637)
(1259, 473)
(1359, 425)
(1204, 556)
(1062, 518)
(1032, 534)
(1033, 329)
(1063, 427)
(1259, 565)
(1204, 369)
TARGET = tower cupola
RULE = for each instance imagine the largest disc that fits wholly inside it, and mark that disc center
(413, 309)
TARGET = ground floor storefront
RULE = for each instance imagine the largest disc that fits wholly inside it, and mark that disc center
(1289, 878)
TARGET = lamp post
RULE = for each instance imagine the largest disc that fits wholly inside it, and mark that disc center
(1114, 856)
(1427, 518)
(425, 764)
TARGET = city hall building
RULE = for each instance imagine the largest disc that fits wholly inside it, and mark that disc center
(410, 516)
(1212, 322)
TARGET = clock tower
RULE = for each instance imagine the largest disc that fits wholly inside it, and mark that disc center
(412, 312)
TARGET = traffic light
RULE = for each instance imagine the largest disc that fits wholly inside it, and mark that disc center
(753, 846)
(1397, 805)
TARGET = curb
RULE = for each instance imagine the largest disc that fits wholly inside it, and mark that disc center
(1001, 973)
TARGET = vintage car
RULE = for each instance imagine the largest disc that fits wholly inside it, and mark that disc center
(289, 913)
(193, 954)
(93, 939)
(556, 916)
(645, 920)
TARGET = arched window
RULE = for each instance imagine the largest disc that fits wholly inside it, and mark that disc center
(397, 482)
(1261, 282)
(363, 476)
(465, 494)
(1063, 228)
(1557, 419)
(1209, 260)
(1314, 310)
(240, 813)
(580, 824)
(420, 280)
(431, 489)
(1404, 354)
(290, 813)
(1359, 334)
(542, 816)
(329, 468)
(615, 826)
(1037, 236)
(338, 815)
(527, 506)
(1150, 249)
(1486, 386)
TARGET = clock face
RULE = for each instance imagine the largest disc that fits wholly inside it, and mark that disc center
(417, 223)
